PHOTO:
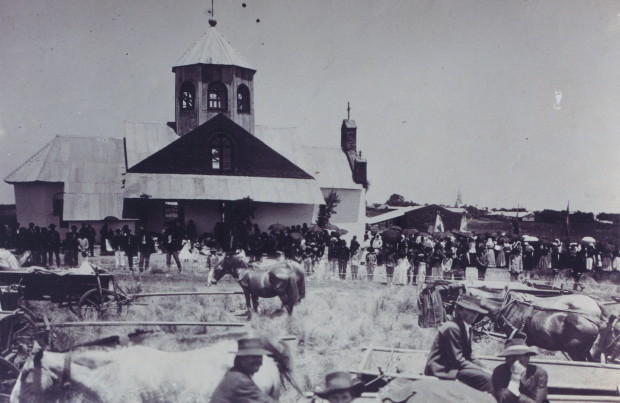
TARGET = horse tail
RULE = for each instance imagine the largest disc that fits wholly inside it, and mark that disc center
(293, 293)
(302, 285)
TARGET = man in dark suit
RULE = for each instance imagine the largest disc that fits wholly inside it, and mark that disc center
(237, 386)
(172, 245)
(451, 355)
(53, 245)
(516, 380)
(131, 247)
(146, 246)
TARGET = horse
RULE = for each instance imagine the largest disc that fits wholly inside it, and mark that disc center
(282, 279)
(606, 348)
(567, 323)
(144, 374)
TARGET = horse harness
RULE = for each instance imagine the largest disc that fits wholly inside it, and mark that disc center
(525, 315)
(529, 311)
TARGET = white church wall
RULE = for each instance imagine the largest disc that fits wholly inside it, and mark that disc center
(351, 210)
(33, 202)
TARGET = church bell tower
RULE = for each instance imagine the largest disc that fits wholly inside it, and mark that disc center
(213, 78)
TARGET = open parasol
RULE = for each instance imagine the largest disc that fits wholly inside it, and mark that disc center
(277, 227)
(390, 235)
(315, 229)
(588, 239)
(341, 231)
(410, 231)
(332, 227)
(441, 235)
(396, 227)
(296, 236)
(529, 238)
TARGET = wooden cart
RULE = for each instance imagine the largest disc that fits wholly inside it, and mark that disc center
(569, 381)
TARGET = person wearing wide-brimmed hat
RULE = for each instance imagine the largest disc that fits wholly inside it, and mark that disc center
(516, 380)
(237, 386)
(451, 355)
(340, 387)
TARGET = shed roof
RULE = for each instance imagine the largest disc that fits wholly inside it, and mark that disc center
(328, 165)
(213, 48)
(91, 169)
(212, 187)
(390, 215)
(143, 139)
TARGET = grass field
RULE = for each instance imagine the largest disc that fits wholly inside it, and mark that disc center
(331, 325)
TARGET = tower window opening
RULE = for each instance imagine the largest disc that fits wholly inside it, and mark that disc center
(243, 99)
(221, 153)
(217, 97)
(187, 96)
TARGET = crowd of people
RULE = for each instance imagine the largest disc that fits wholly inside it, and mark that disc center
(402, 257)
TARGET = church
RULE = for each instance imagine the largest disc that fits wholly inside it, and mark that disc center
(212, 154)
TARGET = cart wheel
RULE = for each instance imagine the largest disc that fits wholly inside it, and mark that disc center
(98, 303)
(8, 376)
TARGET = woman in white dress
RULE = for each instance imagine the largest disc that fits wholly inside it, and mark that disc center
(185, 255)
(400, 272)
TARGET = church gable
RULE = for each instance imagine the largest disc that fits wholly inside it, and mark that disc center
(220, 147)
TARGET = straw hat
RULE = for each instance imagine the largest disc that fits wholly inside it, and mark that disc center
(250, 346)
(470, 302)
(338, 381)
(517, 346)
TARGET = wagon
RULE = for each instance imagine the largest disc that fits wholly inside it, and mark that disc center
(569, 381)
(81, 291)
(18, 331)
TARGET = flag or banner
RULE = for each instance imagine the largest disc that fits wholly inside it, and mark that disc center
(515, 223)
(566, 225)
(463, 226)
(438, 224)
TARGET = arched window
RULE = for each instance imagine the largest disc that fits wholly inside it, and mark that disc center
(217, 97)
(187, 96)
(221, 153)
(243, 99)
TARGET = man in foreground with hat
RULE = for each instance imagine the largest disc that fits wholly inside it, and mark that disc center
(451, 355)
(517, 380)
(237, 386)
(339, 388)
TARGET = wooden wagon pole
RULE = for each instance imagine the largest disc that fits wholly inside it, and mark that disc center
(173, 294)
(146, 323)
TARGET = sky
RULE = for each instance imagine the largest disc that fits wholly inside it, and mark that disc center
(510, 102)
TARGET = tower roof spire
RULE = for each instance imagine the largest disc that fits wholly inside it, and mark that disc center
(212, 48)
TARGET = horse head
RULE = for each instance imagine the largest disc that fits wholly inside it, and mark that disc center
(40, 379)
(607, 344)
(228, 265)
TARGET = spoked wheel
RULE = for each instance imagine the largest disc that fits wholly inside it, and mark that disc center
(8, 376)
(99, 303)
(24, 334)
(481, 327)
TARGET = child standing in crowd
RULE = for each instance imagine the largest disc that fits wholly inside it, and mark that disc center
(371, 262)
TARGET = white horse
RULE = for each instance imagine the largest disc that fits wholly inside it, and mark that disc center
(143, 374)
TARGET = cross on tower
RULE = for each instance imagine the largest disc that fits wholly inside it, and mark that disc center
(348, 111)
(212, 11)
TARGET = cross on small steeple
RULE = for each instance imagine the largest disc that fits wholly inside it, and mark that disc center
(348, 111)
(212, 11)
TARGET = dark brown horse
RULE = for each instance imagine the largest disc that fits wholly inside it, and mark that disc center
(282, 279)
(568, 323)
